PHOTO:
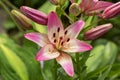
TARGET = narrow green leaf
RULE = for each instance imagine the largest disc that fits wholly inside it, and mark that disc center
(89, 21)
(15, 62)
(115, 71)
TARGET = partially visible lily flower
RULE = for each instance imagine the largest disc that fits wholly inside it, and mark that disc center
(57, 43)
(22, 20)
(97, 32)
(111, 11)
(37, 16)
(92, 7)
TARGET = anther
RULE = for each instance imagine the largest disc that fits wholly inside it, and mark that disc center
(68, 39)
(58, 29)
(54, 34)
(55, 41)
(65, 32)
(61, 38)
(62, 43)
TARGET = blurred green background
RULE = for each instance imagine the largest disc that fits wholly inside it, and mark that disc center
(17, 54)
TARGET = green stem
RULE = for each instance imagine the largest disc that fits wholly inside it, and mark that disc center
(81, 17)
(68, 16)
(78, 66)
(10, 4)
(55, 70)
(7, 10)
(89, 26)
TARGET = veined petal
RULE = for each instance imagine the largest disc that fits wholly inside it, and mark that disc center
(73, 30)
(65, 61)
(112, 6)
(47, 52)
(55, 28)
(38, 38)
(74, 45)
(101, 5)
(111, 11)
(37, 16)
(87, 4)
(97, 31)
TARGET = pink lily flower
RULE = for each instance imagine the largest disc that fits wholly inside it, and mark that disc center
(92, 7)
(57, 43)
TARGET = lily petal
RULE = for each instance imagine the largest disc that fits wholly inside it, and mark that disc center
(101, 5)
(55, 28)
(47, 52)
(75, 45)
(38, 38)
(73, 30)
(65, 61)
(87, 4)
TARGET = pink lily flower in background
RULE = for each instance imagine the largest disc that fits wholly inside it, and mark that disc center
(36, 15)
(98, 31)
(111, 11)
(58, 42)
(92, 7)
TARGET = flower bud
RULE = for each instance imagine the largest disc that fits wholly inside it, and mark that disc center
(55, 2)
(58, 2)
(37, 16)
(72, 1)
(111, 11)
(74, 9)
(22, 20)
(97, 31)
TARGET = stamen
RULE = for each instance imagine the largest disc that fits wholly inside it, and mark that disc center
(62, 43)
(55, 41)
(61, 38)
(54, 34)
(58, 29)
(68, 39)
(65, 32)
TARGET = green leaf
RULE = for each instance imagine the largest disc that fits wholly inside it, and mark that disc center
(15, 62)
(26, 56)
(89, 21)
(47, 7)
(101, 56)
(96, 72)
(94, 60)
(40, 28)
(115, 71)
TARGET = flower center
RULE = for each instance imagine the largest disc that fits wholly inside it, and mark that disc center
(59, 41)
